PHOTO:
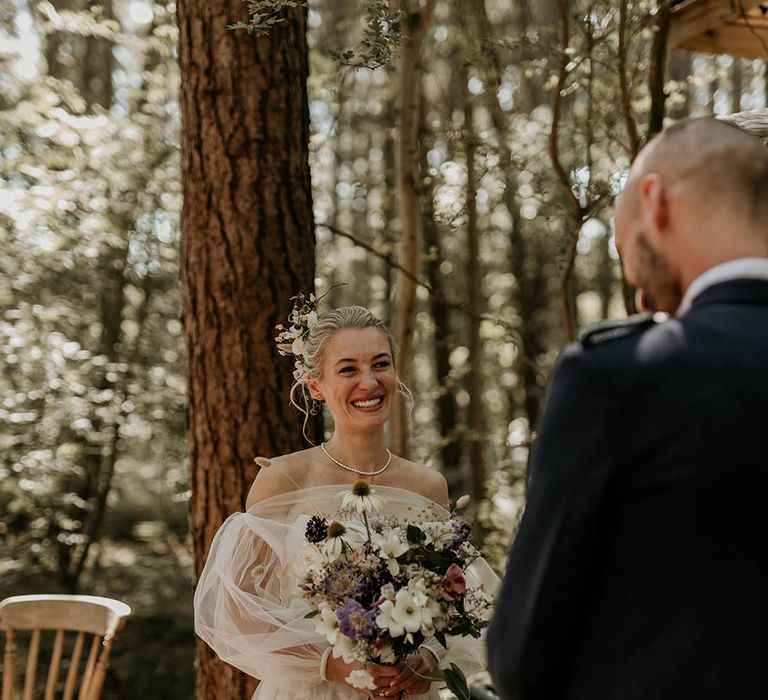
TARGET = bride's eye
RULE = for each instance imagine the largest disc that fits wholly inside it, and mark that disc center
(382, 365)
(346, 370)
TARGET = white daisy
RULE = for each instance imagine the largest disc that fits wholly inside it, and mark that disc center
(362, 497)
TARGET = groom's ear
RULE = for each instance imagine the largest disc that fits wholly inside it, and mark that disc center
(655, 206)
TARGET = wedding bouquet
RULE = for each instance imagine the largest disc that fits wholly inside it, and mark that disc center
(380, 587)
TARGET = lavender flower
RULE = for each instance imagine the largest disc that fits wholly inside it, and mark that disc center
(461, 531)
(355, 621)
(317, 529)
(341, 581)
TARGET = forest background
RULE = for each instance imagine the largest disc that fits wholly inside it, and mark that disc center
(465, 156)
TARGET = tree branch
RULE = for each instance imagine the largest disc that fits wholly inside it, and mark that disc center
(626, 101)
(657, 68)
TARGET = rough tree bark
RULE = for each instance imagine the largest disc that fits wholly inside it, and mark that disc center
(247, 246)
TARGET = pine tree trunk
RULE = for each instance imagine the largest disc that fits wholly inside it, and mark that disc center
(247, 246)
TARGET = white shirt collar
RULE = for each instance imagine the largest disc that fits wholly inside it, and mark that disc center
(742, 268)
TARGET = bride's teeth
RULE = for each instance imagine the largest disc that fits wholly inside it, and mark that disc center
(366, 404)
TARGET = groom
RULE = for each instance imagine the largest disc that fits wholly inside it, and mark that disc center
(640, 571)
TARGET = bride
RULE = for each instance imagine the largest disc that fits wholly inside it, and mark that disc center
(248, 605)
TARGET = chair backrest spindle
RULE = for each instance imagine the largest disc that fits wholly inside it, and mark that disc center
(9, 666)
(32, 654)
(74, 666)
(53, 671)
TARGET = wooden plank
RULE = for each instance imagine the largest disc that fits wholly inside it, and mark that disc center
(734, 39)
(692, 18)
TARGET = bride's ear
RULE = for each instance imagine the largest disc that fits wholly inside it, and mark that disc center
(314, 389)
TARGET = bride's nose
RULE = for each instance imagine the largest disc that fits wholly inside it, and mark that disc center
(368, 380)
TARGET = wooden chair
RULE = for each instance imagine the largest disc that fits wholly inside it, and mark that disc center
(80, 614)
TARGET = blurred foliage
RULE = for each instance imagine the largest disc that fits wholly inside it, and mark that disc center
(93, 486)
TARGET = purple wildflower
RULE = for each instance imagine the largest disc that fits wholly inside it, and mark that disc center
(461, 531)
(355, 621)
(341, 580)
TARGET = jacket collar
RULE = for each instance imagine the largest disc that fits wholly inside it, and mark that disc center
(741, 291)
(736, 269)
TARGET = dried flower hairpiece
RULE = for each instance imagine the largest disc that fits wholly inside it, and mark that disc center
(293, 339)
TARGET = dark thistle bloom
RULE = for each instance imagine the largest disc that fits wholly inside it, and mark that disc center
(317, 529)
(355, 621)
(461, 531)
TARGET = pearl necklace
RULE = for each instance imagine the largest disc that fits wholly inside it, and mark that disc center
(352, 469)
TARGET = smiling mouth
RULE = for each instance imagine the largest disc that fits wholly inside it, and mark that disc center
(369, 403)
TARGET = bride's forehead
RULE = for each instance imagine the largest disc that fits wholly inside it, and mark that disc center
(357, 343)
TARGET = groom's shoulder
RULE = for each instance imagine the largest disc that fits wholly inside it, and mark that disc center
(629, 328)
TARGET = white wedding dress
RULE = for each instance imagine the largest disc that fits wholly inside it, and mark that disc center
(250, 610)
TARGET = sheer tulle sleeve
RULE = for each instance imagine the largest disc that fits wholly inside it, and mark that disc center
(248, 606)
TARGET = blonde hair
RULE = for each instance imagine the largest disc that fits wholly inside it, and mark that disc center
(753, 121)
(315, 340)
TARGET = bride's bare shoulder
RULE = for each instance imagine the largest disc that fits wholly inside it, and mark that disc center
(425, 481)
(279, 475)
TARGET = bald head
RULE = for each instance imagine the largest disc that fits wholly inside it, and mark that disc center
(718, 163)
(696, 196)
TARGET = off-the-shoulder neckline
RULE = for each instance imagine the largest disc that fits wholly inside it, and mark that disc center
(342, 487)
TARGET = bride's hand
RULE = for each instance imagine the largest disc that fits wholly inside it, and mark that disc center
(408, 678)
(337, 671)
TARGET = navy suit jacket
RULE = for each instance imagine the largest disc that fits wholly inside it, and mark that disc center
(640, 570)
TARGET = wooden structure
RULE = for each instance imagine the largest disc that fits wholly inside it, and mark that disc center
(31, 615)
(735, 27)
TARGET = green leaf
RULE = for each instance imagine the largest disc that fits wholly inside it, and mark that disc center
(415, 534)
(456, 682)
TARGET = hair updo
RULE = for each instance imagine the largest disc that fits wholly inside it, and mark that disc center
(753, 121)
(315, 339)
